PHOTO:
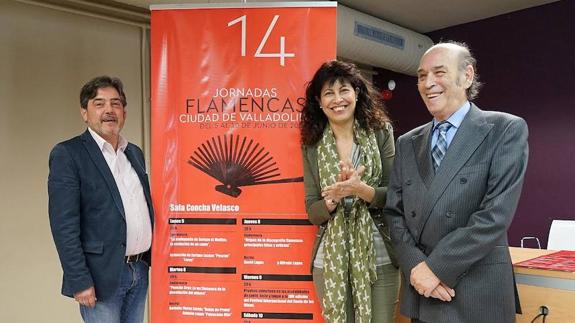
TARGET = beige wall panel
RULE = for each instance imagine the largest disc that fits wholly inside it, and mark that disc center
(45, 57)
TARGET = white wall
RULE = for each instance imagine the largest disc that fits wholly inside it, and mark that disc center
(46, 55)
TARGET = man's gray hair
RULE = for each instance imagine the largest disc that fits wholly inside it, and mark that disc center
(465, 59)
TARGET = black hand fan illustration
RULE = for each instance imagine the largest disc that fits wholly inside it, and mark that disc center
(237, 162)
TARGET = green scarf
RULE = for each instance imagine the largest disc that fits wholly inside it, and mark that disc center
(348, 242)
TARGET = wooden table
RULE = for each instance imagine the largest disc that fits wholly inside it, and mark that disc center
(537, 287)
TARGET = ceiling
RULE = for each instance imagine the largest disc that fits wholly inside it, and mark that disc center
(418, 15)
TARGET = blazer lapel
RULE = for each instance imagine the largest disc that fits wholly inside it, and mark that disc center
(469, 136)
(140, 169)
(423, 154)
(98, 159)
(312, 157)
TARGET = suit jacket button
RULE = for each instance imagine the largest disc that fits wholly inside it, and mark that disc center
(123, 244)
(408, 182)
(463, 180)
(413, 214)
(449, 214)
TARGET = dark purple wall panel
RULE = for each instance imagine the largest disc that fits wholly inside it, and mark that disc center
(527, 61)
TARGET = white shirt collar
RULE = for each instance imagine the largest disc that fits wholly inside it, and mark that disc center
(101, 142)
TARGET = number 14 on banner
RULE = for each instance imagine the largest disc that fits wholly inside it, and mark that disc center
(282, 54)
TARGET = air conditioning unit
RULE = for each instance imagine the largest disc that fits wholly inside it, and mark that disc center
(369, 40)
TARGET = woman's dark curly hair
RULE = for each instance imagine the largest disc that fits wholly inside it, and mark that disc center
(369, 110)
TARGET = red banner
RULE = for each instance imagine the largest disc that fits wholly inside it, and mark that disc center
(231, 239)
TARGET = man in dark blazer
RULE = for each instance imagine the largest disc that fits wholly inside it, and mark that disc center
(100, 210)
(453, 191)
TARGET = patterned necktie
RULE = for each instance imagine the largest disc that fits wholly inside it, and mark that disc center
(438, 151)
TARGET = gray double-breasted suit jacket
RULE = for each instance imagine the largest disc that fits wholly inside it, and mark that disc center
(456, 220)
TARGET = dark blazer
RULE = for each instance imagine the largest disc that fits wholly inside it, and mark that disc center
(87, 215)
(456, 220)
(315, 206)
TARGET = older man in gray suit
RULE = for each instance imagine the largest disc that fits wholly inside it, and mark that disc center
(453, 191)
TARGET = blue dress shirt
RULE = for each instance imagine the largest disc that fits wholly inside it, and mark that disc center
(455, 119)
